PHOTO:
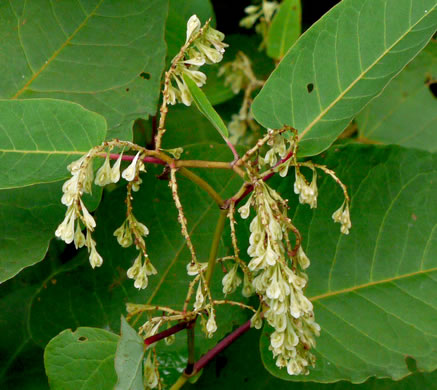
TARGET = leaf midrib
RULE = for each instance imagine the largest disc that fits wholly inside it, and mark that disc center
(56, 53)
(361, 75)
(370, 284)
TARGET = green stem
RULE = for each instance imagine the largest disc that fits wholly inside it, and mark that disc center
(215, 244)
(203, 184)
(180, 382)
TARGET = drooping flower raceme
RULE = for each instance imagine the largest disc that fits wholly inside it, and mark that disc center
(205, 46)
(78, 217)
(281, 282)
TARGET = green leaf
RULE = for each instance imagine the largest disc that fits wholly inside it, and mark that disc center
(405, 113)
(129, 359)
(83, 359)
(107, 56)
(285, 28)
(341, 63)
(205, 107)
(374, 291)
(40, 137)
(241, 366)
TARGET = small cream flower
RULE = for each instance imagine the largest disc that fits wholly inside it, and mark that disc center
(95, 258)
(193, 26)
(134, 270)
(115, 171)
(65, 230)
(211, 325)
(231, 280)
(103, 175)
(130, 172)
(89, 221)
(124, 235)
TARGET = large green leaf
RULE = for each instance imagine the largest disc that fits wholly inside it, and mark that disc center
(129, 359)
(28, 219)
(40, 137)
(340, 64)
(240, 367)
(406, 112)
(83, 359)
(374, 291)
(106, 55)
(285, 28)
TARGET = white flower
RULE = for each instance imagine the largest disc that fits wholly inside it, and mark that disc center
(130, 172)
(103, 175)
(302, 258)
(211, 325)
(248, 289)
(342, 216)
(200, 298)
(231, 280)
(150, 269)
(211, 54)
(70, 189)
(134, 270)
(65, 230)
(185, 95)
(193, 26)
(115, 171)
(79, 237)
(277, 339)
(193, 268)
(95, 258)
(198, 77)
(124, 235)
(173, 94)
(245, 209)
(140, 227)
(256, 321)
(89, 221)
(141, 280)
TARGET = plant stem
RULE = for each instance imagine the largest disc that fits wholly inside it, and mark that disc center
(226, 342)
(202, 184)
(168, 332)
(179, 383)
(214, 246)
(191, 350)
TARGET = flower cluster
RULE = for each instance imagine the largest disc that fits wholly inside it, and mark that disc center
(202, 46)
(307, 191)
(78, 217)
(264, 12)
(281, 287)
(342, 216)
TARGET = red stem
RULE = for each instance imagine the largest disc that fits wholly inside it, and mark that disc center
(168, 332)
(249, 188)
(226, 342)
(127, 157)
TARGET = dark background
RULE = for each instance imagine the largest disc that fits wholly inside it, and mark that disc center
(230, 12)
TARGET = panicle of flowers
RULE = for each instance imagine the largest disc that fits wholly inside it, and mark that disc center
(239, 76)
(280, 281)
(263, 12)
(77, 215)
(203, 45)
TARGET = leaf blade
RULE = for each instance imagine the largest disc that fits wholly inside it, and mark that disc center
(326, 78)
(40, 137)
(129, 358)
(285, 28)
(374, 290)
(206, 108)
